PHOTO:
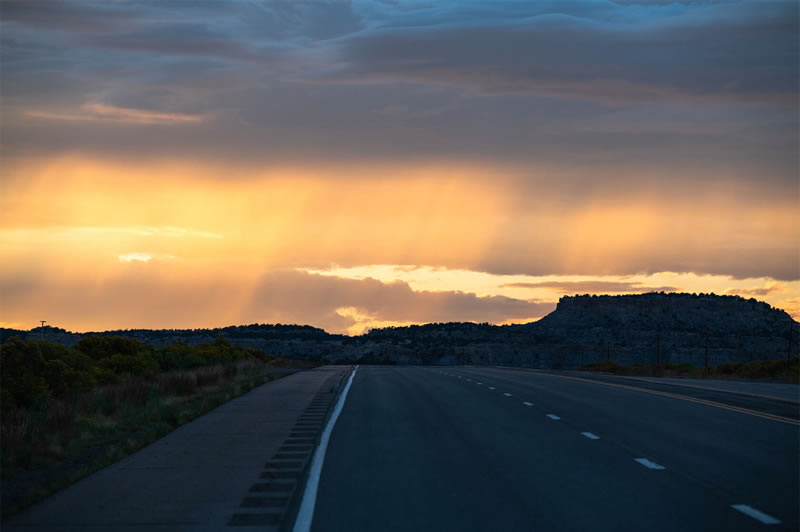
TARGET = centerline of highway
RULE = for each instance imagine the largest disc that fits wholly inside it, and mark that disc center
(650, 464)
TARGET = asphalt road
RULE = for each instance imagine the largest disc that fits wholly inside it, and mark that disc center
(484, 449)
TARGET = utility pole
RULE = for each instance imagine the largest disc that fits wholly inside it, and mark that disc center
(581, 348)
(789, 349)
(43, 322)
(608, 352)
(706, 366)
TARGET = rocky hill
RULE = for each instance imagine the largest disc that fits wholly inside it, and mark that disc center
(646, 328)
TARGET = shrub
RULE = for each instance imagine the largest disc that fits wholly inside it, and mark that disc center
(609, 366)
(209, 376)
(59, 417)
(100, 347)
(136, 392)
(14, 428)
(127, 364)
(183, 383)
(729, 368)
(21, 370)
(105, 376)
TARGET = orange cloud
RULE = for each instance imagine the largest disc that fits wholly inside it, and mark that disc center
(584, 287)
(761, 291)
(73, 221)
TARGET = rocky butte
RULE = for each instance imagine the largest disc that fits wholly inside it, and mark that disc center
(647, 328)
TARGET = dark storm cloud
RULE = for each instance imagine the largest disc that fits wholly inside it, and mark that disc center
(69, 15)
(181, 39)
(751, 56)
(468, 79)
(621, 97)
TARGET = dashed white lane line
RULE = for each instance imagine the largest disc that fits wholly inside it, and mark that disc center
(648, 464)
(526, 403)
(469, 380)
(591, 436)
(492, 388)
(478, 383)
(507, 394)
(755, 514)
(553, 416)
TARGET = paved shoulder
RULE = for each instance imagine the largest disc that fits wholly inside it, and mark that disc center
(201, 475)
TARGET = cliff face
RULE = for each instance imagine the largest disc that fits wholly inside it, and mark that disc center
(673, 328)
(647, 328)
(719, 315)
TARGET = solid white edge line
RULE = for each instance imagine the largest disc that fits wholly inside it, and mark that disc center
(649, 464)
(553, 416)
(755, 514)
(526, 403)
(591, 436)
(306, 512)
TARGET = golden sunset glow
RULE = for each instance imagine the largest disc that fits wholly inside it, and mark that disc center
(206, 165)
(90, 228)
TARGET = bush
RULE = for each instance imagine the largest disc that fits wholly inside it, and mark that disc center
(177, 384)
(611, 367)
(100, 347)
(209, 376)
(21, 370)
(729, 368)
(131, 365)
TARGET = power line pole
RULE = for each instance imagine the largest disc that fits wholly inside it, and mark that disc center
(789, 349)
(706, 366)
(43, 322)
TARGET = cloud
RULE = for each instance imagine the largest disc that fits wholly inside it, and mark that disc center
(97, 112)
(399, 81)
(70, 15)
(161, 296)
(293, 295)
(792, 306)
(139, 257)
(144, 257)
(747, 54)
(761, 291)
(583, 287)
(668, 2)
(180, 39)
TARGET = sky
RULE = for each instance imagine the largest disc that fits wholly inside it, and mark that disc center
(350, 165)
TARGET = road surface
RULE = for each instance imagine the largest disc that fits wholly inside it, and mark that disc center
(481, 449)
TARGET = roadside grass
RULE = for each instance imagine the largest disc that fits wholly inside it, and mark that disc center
(774, 370)
(53, 445)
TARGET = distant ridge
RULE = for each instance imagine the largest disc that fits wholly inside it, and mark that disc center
(645, 328)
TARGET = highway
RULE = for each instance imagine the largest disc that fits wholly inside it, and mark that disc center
(484, 449)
